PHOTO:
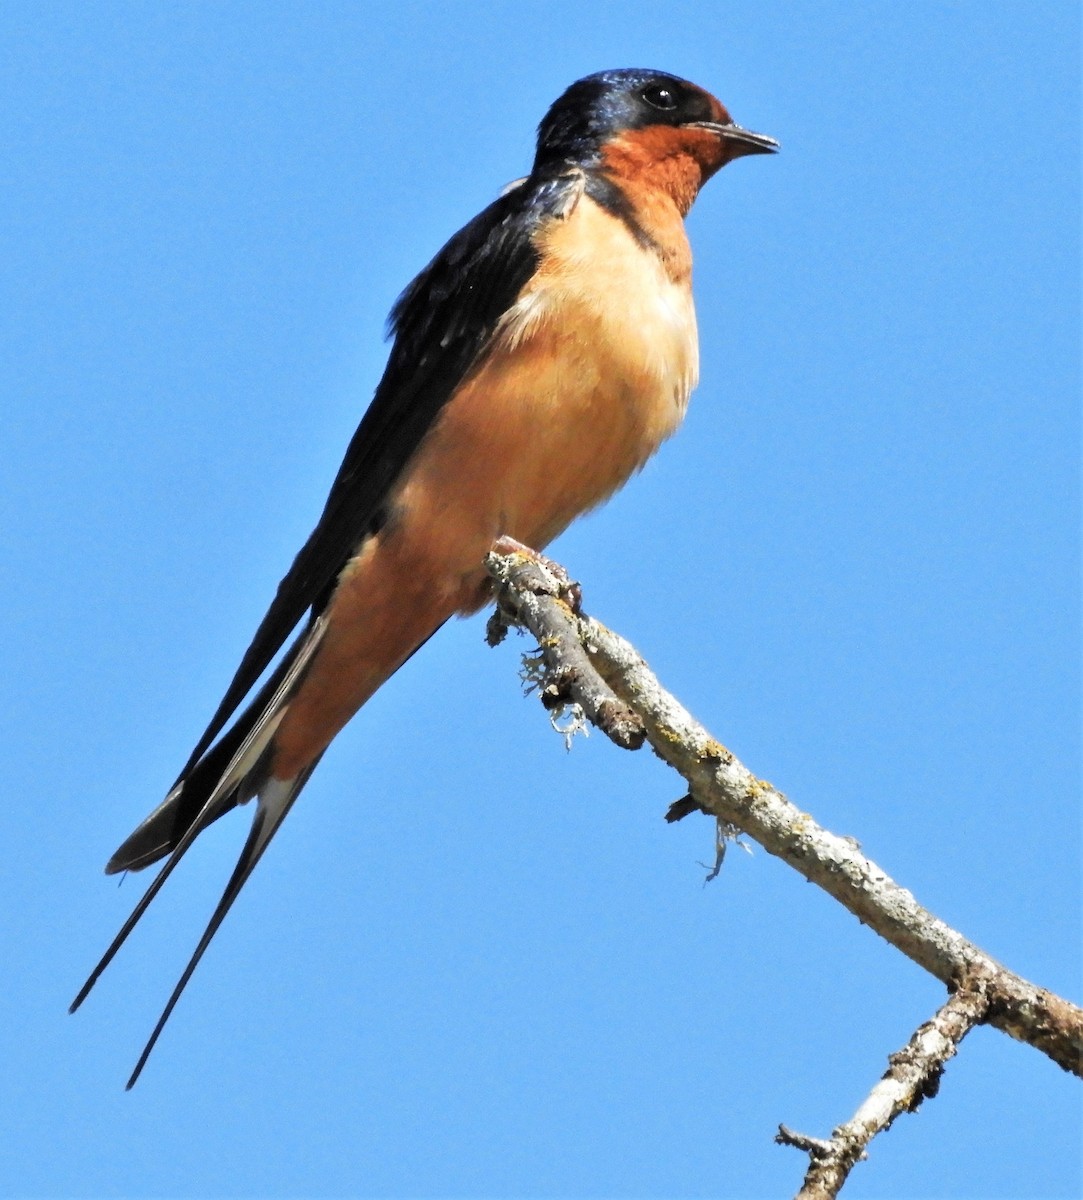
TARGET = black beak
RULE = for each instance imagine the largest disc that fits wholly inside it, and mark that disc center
(744, 140)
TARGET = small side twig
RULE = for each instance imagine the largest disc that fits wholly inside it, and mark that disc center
(682, 808)
(912, 1076)
(816, 1148)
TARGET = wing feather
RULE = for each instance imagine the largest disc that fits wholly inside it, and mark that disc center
(442, 326)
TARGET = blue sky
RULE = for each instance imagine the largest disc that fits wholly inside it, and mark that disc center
(474, 965)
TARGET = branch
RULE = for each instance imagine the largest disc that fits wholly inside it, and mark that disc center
(913, 1074)
(721, 785)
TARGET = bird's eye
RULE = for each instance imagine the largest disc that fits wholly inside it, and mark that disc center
(660, 96)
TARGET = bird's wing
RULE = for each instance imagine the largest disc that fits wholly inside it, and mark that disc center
(442, 325)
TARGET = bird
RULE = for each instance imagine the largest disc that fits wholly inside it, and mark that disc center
(536, 363)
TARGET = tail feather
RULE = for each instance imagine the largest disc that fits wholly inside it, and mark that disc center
(158, 834)
(187, 801)
(276, 797)
(169, 830)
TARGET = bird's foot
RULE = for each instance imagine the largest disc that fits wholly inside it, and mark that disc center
(570, 590)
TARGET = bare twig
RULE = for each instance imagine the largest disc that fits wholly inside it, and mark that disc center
(681, 808)
(913, 1074)
(816, 1147)
(725, 788)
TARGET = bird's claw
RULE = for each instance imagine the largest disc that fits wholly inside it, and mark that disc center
(571, 592)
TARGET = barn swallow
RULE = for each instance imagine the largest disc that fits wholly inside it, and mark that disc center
(536, 363)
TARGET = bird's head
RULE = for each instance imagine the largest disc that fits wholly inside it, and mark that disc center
(643, 123)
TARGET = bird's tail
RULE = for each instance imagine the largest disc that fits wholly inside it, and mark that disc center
(234, 770)
(274, 800)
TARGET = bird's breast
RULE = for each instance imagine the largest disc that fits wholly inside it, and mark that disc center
(617, 311)
(593, 366)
